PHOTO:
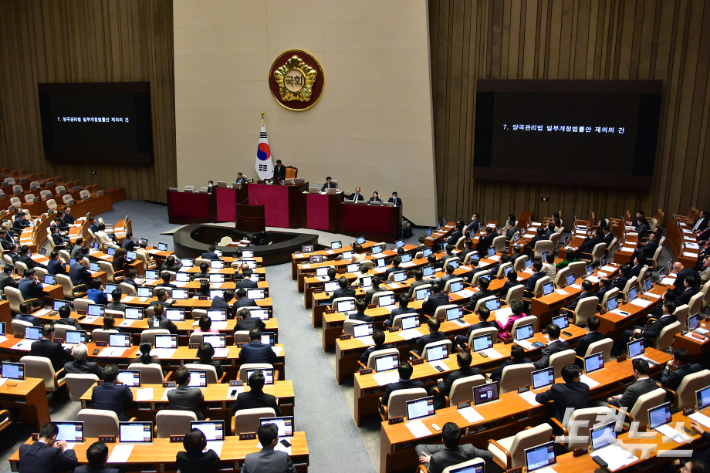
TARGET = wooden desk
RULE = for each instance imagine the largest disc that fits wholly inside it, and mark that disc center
(217, 404)
(507, 416)
(697, 348)
(437, 237)
(301, 258)
(282, 203)
(189, 207)
(229, 272)
(29, 397)
(320, 211)
(683, 243)
(612, 324)
(375, 222)
(160, 455)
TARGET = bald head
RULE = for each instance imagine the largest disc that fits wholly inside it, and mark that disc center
(678, 266)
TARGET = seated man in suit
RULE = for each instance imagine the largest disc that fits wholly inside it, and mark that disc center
(395, 199)
(639, 263)
(279, 171)
(396, 261)
(128, 244)
(255, 351)
(243, 301)
(438, 457)
(116, 303)
(475, 269)
(434, 335)
(620, 282)
(78, 251)
(30, 287)
(554, 345)
(486, 242)
(448, 276)
(244, 280)
(592, 336)
(49, 349)
(26, 314)
(538, 274)
(204, 272)
(604, 287)
(418, 281)
(587, 292)
(160, 321)
(46, 455)
(184, 397)
(642, 385)
(688, 291)
(210, 254)
(436, 299)
(112, 395)
(458, 233)
(224, 302)
(517, 357)
(648, 333)
(328, 184)
(376, 281)
(66, 319)
(463, 360)
(510, 283)
(55, 265)
(240, 178)
(483, 315)
(405, 371)
(378, 337)
(474, 225)
(80, 365)
(681, 273)
(402, 309)
(356, 196)
(517, 253)
(57, 237)
(648, 249)
(678, 368)
(608, 236)
(6, 279)
(247, 323)
(572, 394)
(540, 235)
(96, 292)
(360, 307)
(97, 456)
(256, 397)
(267, 459)
(79, 272)
(165, 276)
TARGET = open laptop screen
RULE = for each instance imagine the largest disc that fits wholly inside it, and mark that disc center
(548, 288)
(73, 337)
(362, 330)
(70, 432)
(523, 332)
(702, 397)
(217, 315)
(133, 313)
(636, 348)
(198, 379)
(216, 340)
(542, 378)
(33, 333)
(386, 362)
(659, 415)
(541, 456)
(482, 342)
(411, 321)
(213, 429)
(454, 313)
(285, 424)
(135, 432)
(438, 352)
(571, 279)
(693, 322)
(175, 314)
(485, 393)
(421, 294)
(267, 372)
(119, 340)
(418, 408)
(561, 321)
(132, 379)
(165, 341)
(13, 370)
(345, 306)
(593, 362)
(603, 435)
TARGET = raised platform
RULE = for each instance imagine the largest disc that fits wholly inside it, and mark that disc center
(192, 241)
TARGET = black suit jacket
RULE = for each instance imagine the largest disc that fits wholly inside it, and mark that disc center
(327, 186)
(703, 224)
(79, 274)
(83, 367)
(56, 267)
(342, 293)
(243, 302)
(430, 338)
(7, 281)
(41, 458)
(685, 297)
(199, 462)
(580, 296)
(31, 264)
(445, 386)
(365, 356)
(52, 350)
(633, 392)
(648, 250)
(256, 352)
(508, 286)
(589, 244)
(680, 279)
(250, 323)
(247, 284)
(395, 201)
(129, 245)
(586, 340)
(550, 350)
(209, 255)
(112, 397)
(280, 172)
(672, 379)
(654, 330)
(435, 300)
(409, 384)
(254, 400)
(565, 395)
(486, 241)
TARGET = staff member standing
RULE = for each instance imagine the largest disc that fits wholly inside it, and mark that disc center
(279, 171)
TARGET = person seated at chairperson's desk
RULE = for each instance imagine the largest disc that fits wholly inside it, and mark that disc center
(375, 198)
(395, 199)
(46, 455)
(328, 184)
(356, 196)
(195, 459)
(240, 179)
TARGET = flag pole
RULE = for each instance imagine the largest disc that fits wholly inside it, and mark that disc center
(262, 118)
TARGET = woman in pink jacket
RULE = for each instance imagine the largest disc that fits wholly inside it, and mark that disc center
(504, 330)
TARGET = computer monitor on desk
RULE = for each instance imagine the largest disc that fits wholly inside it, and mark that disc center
(541, 456)
(135, 432)
(419, 408)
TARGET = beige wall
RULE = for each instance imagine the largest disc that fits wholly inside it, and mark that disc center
(373, 126)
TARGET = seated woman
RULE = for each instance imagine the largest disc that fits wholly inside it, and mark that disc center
(375, 197)
(110, 324)
(359, 254)
(206, 325)
(570, 257)
(194, 459)
(205, 354)
(145, 357)
(120, 262)
(171, 264)
(504, 329)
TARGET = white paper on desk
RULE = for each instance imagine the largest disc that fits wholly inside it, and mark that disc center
(561, 292)
(306, 266)
(127, 299)
(407, 265)
(492, 353)
(689, 254)
(525, 344)
(641, 302)
(90, 319)
(668, 281)
(418, 429)
(221, 352)
(24, 345)
(180, 283)
(529, 235)
(388, 377)
(615, 457)
(219, 325)
(484, 264)
(504, 312)
(671, 433)
(465, 268)
(461, 323)
(367, 341)
(650, 294)
(440, 364)
(120, 454)
(379, 270)
(577, 286)
(111, 351)
(465, 294)
(3, 339)
(126, 323)
(588, 381)
(688, 335)
(2, 381)
(394, 285)
(145, 394)
(42, 312)
(279, 446)
(692, 246)
(165, 394)
(410, 334)
(689, 232)
(626, 249)
(216, 446)
(600, 275)
(330, 252)
(143, 299)
(696, 416)
(494, 258)
(470, 414)
(530, 397)
(650, 361)
(162, 352)
(607, 268)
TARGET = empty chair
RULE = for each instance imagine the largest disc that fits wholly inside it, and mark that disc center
(682, 312)
(579, 268)
(101, 335)
(373, 356)
(149, 335)
(499, 244)
(19, 326)
(666, 337)
(462, 389)
(515, 376)
(98, 422)
(40, 367)
(397, 403)
(240, 337)
(348, 326)
(14, 297)
(85, 195)
(60, 330)
(247, 420)
(694, 306)
(82, 304)
(30, 198)
(68, 199)
(127, 288)
(17, 189)
(78, 384)
(171, 422)
(15, 201)
(585, 309)
(602, 346)
(520, 263)
(111, 275)
(150, 373)
(515, 294)
(542, 246)
(60, 190)
(530, 319)
(377, 295)
(509, 452)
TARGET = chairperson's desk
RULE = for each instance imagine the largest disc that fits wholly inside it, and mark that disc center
(160, 455)
(282, 203)
(375, 222)
(502, 418)
(368, 391)
(191, 207)
(320, 211)
(217, 404)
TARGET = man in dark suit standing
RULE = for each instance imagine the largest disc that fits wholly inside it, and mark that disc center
(112, 395)
(394, 199)
(682, 272)
(592, 336)
(642, 385)
(184, 397)
(434, 335)
(436, 299)
(405, 371)
(573, 394)
(97, 456)
(554, 345)
(243, 301)
(268, 459)
(463, 360)
(247, 323)
(256, 397)
(279, 171)
(210, 254)
(328, 184)
(438, 457)
(344, 291)
(46, 455)
(255, 351)
(52, 350)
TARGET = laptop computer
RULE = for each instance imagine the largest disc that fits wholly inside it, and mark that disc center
(162, 246)
(212, 429)
(345, 306)
(381, 263)
(198, 379)
(456, 286)
(74, 337)
(347, 255)
(56, 305)
(493, 304)
(151, 275)
(482, 342)
(362, 330)
(217, 340)
(135, 432)
(594, 362)
(386, 362)
(361, 240)
(259, 313)
(507, 270)
(693, 322)
(659, 415)
(95, 310)
(570, 279)
(70, 432)
(120, 340)
(110, 251)
(547, 289)
(411, 321)
(285, 425)
(217, 278)
(437, 352)
(130, 378)
(543, 377)
(336, 245)
(611, 304)
(331, 286)
(2, 328)
(406, 258)
(352, 268)
(421, 294)
(702, 398)
(93, 267)
(216, 293)
(267, 338)
(216, 264)
(165, 341)
(187, 262)
(315, 259)
(485, 393)
(427, 252)
(217, 315)
(635, 348)
(561, 321)
(590, 270)
(49, 279)
(633, 294)
(145, 292)
(419, 408)
(11, 370)
(399, 276)
(267, 372)
(365, 281)
(523, 332)
(179, 294)
(540, 456)
(428, 271)
(475, 468)
(33, 333)
(377, 249)
(176, 315)
(386, 300)
(454, 313)
(603, 436)
(133, 313)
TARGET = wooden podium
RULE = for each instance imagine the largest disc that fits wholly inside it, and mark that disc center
(250, 218)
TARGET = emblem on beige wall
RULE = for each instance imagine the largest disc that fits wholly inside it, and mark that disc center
(296, 80)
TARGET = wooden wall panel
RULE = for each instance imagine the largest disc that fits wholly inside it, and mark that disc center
(87, 41)
(572, 39)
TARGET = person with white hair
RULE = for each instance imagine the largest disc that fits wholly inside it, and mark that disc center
(80, 365)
